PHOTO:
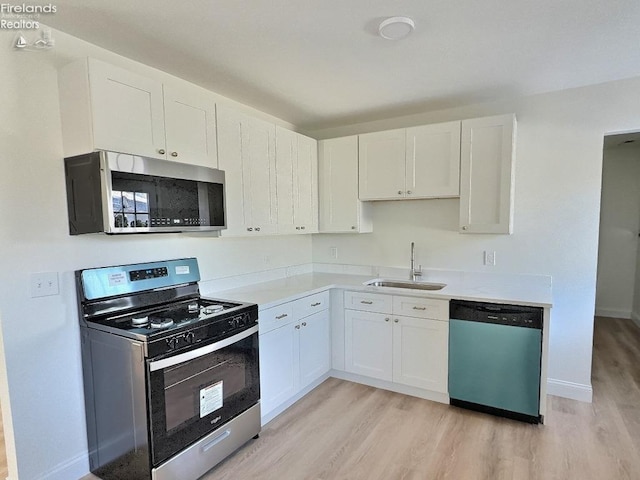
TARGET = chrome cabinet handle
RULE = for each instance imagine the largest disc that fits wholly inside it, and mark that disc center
(297, 228)
(257, 229)
(399, 192)
(464, 227)
(249, 229)
(174, 154)
(302, 227)
(304, 324)
(386, 319)
(353, 227)
(419, 308)
(297, 327)
(280, 317)
(316, 304)
(408, 192)
(396, 320)
(161, 151)
(366, 302)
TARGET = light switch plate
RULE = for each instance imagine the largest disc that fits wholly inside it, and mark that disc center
(44, 284)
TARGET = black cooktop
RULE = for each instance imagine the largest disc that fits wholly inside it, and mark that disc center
(151, 321)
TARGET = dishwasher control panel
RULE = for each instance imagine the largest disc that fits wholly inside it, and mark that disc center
(502, 314)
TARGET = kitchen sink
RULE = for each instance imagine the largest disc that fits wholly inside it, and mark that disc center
(405, 284)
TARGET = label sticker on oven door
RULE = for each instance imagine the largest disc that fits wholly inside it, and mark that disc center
(210, 399)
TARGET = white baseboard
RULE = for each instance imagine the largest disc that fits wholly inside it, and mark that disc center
(574, 391)
(613, 313)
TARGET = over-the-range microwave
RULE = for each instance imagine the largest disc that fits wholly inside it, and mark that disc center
(118, 193)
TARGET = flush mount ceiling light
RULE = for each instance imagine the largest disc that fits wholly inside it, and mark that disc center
(396, 28)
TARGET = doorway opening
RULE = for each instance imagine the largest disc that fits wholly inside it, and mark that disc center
(618, 282)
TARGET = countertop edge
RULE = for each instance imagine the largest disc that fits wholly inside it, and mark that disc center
(356, 283)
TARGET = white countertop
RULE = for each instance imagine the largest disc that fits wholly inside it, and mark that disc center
(504, 288)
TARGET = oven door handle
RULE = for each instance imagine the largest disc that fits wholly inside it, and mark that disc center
(199, 352)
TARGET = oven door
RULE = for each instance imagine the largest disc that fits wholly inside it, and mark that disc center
(193, 393)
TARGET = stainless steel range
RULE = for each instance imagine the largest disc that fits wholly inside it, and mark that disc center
(171, 378)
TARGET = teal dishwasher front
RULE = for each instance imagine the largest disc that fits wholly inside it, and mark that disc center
(494, 358)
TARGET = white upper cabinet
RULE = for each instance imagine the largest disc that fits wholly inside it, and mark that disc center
(259, 175)
(109, 108)
(340, 209)
(246, 148)
(305, 187)
(433, 161)
(486, 176)
(381, 162)
(286, 155)
(104, 107)
(190, 127)
(297, 182)
(417, 162)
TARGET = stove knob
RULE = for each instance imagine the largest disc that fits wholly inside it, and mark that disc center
(189, 337)
(172, 342)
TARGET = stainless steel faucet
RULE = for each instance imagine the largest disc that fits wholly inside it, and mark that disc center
(413, 273)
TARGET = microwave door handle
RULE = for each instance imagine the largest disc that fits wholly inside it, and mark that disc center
(199, 352)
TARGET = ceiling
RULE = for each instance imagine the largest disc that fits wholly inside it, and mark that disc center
(320, 63)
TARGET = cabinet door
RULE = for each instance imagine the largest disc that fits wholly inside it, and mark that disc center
(315, 347)
(190, 125)
(305, 186)
(368, 344)
(259, 175)
(420, 353)
(128, 113)
(433, 160)
(279, 367)
(286, 154)
(382, 165)
(340, 210)
(231, 127)
(486, 169)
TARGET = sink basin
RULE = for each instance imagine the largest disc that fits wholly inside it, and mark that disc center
(405, 284)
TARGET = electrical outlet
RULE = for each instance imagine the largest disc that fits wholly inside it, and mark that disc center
(44, 284)
(490, 258)
(333, 252)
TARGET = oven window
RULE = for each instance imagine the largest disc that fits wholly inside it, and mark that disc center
(195, 389)
(193, 398)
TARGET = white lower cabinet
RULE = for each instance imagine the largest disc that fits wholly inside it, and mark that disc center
(295, 349)
(279, 351)
(408, 350)
(315, 347)
(420, 353)
(368, 339)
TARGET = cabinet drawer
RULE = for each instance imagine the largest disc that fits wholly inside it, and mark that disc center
(306, 306)
(275, 317)
(421, 307)
(368, 302)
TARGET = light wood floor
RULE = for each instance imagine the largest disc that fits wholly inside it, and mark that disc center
(343, 430)
(4, 472)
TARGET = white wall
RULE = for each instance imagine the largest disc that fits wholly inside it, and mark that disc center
(41, 335)
(557, 201)
(619, 227)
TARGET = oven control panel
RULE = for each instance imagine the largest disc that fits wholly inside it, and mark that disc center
(145, 274)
